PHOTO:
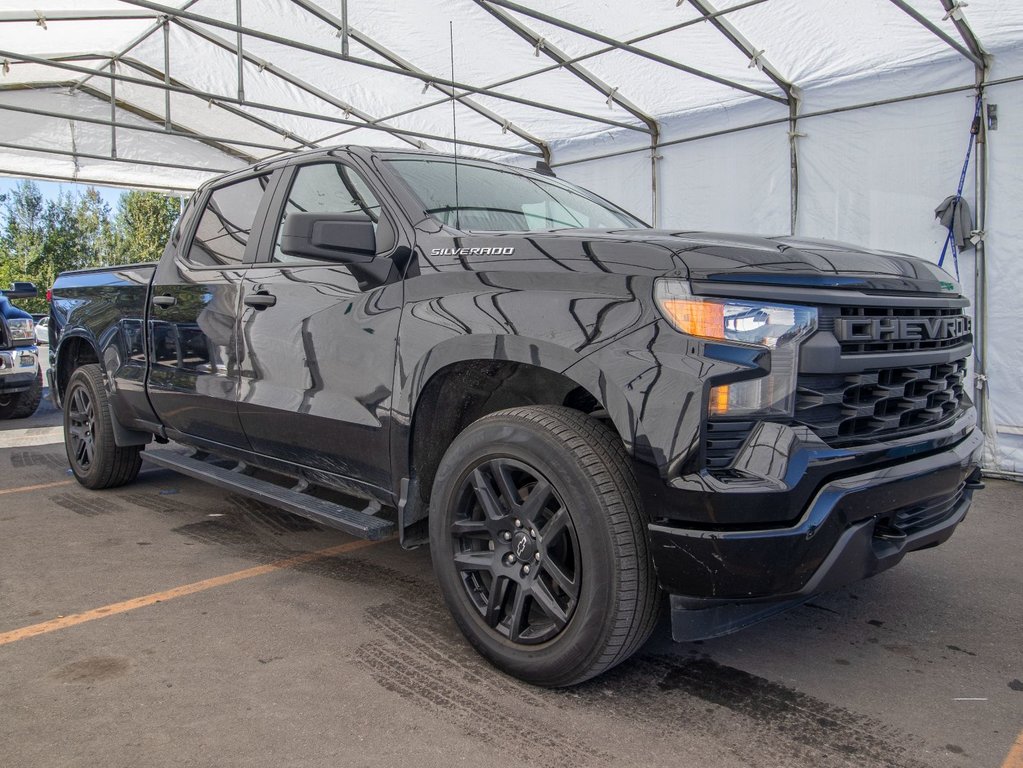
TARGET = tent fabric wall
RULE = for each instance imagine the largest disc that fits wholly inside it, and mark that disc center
(883, 105)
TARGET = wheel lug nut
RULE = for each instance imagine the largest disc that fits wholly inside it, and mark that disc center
(532, 532)
(509, 559)
(506, 535)
(518, 523)
(536, 556)
(525, 569)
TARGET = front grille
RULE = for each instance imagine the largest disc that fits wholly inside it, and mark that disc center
(882, 403)
(854, 408)
(876, 403)
(888, 324)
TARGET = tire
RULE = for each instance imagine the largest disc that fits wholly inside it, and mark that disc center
(96, 460)
(23, 404)
(570, 593)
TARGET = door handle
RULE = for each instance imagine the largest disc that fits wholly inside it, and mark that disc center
(165, 301)
(260, 300)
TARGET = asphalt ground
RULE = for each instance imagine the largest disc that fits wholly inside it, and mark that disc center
(170, 623)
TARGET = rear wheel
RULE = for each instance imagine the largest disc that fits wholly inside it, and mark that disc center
(96, 460)
(23, 404)
(538, 540)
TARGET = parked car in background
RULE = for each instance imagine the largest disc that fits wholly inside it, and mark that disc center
(43, 331)
(21, 376)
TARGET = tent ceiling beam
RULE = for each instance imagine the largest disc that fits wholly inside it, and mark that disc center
(574, 60)
(390, 68)
(149, 32)
(342, 26)
(48, 16)
(211, 97)
(783, 120)
(756, 58)
(736, 38)
(178, 130)
(107, 159)
(229, 108)
(36, 86)
(212, 141)
(536, 41)
(86, 179)
(286, 76)
(954, 12)
(938, 31)
(620, 45)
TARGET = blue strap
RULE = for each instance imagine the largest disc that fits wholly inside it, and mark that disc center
(950, 240)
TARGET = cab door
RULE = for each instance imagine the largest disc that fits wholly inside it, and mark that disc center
(194, 316)
(318, 351)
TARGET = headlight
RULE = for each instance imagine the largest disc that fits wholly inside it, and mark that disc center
(779, 327)
(21, 329)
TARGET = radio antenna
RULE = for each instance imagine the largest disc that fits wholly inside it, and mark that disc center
(454, 121)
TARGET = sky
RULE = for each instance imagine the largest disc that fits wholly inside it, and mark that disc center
(51, 189)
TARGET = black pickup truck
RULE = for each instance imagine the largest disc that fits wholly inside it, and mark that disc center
(577, 412)
(21, 376)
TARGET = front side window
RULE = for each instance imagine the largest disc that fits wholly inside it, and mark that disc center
(491, 198)
(328, 188)
(226, 223)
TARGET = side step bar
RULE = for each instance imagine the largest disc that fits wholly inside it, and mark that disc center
(327, 513)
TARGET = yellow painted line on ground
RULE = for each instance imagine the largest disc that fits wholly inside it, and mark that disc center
(187, 589)
(41, 486)
(1015, 757)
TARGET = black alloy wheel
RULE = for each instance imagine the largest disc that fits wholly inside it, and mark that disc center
(516, 551)
(92, 451)
(81, 430)
(538, 540)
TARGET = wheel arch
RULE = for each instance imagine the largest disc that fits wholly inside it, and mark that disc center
(75, 349)
(464, 379)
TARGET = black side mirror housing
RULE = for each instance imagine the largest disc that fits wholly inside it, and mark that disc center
(20, 290)
(349, 238)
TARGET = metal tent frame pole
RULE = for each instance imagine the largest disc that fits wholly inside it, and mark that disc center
(423, 79)
(954, 11)
(207, 96)
(611, 93)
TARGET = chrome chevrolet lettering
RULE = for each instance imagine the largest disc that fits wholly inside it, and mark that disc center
(472, 251)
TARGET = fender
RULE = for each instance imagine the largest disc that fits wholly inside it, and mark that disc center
(123, 436)
(518, 349)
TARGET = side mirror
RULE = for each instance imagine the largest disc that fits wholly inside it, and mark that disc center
(20, 290)
(344, 237)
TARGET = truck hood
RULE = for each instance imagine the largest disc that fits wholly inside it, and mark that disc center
(704, 257)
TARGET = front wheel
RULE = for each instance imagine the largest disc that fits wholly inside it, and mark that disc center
(538, 540)
(96, 460)
(23, 404)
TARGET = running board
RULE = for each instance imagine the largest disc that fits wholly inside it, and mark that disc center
(327, 513)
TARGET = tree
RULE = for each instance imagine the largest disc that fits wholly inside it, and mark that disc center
(98, 239)
(143, 225)
(41, 238)
(22, 236)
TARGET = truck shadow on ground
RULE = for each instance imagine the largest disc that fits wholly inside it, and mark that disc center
(669, 695)
(418, 654)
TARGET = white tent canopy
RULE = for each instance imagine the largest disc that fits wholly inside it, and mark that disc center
(822, 118)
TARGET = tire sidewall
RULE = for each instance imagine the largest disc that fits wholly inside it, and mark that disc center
(584, 638)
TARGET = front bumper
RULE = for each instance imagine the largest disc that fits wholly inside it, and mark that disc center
(19, 369)
(853, 527)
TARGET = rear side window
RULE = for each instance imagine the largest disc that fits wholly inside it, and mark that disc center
(226, 223)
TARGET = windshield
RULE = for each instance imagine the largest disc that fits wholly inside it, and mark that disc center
(501, 199)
